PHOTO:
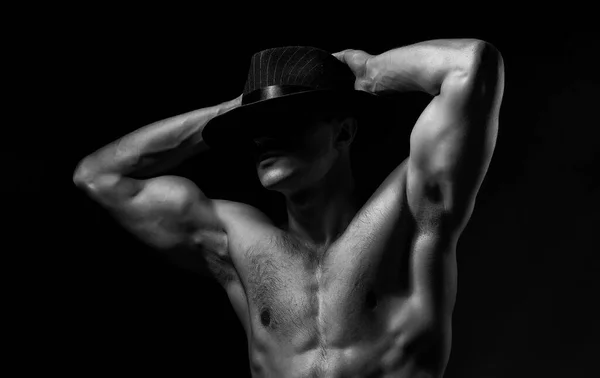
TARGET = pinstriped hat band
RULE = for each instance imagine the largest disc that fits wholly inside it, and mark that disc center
(271, 92)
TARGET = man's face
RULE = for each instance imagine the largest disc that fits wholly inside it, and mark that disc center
(298, 153)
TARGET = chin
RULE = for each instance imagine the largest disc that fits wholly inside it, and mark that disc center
(287, 174)
(276, 179)
(280, 176)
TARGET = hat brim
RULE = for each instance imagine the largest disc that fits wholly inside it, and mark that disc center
(253, 119)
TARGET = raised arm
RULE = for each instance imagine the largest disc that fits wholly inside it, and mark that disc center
(166, 212)
(152, 149)
(451, 144)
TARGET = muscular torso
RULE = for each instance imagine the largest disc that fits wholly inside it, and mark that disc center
(348, 310)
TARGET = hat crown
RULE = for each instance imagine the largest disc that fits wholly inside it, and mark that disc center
(303, 66)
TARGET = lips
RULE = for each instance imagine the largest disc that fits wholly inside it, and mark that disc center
(266, 147)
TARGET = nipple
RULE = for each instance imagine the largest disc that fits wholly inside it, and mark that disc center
(265, 317)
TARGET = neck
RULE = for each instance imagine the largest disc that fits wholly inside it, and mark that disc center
(319, 214)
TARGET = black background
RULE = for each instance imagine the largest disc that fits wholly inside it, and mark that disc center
(86, 297)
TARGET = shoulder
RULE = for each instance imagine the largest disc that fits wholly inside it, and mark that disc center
(237, 216)
(243, 224)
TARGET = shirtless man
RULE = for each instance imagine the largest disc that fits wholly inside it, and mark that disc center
(345, 289)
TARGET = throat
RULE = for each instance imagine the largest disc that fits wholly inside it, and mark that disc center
(319, 219)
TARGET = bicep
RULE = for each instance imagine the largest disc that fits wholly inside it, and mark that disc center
(452, 143)
(165, 213)
(169, 214)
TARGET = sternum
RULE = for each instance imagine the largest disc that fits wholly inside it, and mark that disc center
(312, 333)
(319, 297)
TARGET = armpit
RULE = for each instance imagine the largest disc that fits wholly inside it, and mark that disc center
(209, 259)
(221, 269)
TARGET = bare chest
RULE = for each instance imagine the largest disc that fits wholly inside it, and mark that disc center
(336, 296)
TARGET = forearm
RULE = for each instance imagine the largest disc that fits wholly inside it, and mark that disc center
(422, 66)
(154, 148)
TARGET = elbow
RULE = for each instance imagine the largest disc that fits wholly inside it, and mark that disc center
(472, 54)
(79, 176)
(478, 62)
(479, 49)
(486, 58)
(82, 176)
(490, 73)
(484, 74)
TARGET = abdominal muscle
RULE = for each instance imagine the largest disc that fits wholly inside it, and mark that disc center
(308, 325)
(369, 348)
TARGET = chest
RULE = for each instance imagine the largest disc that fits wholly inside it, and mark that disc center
(337, 292)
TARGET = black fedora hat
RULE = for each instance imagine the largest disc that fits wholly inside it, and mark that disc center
(291, 81)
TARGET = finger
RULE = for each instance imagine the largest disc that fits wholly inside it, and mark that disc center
(341, 55)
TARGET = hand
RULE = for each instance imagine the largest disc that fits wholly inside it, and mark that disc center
(357, 61)
(229, 105)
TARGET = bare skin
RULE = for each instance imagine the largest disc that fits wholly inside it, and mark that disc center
(344, 289)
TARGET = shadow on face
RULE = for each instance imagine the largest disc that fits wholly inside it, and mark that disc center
(295, 152)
